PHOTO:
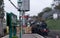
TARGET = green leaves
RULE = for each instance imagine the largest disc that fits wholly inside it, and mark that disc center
(1, 1)
(58, 7)
(14, 37)
(1, 9)
(47, 9)
(40, 14)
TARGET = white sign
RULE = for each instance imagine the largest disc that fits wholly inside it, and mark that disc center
(55, 16)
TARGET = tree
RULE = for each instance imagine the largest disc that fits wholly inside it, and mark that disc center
(40, 14)
(57, 7)
(1, 1)
(47, 9)
(1, 8)
(1, 16)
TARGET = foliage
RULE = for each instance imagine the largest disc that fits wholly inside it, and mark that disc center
(47, 9)
(1, 8)
(34, 16)
(58, 7)
(14, 37)
(1, 1)
(40, 14)
(53, 24)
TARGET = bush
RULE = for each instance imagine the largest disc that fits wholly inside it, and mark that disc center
(14, 37)
(53, 24)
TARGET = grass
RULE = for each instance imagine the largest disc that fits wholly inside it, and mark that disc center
(53, 24)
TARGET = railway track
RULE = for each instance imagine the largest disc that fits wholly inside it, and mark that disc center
(53, 34)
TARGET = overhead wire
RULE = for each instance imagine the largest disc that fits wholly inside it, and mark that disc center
(14, 5)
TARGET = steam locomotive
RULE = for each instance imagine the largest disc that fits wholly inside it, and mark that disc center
(40, 28)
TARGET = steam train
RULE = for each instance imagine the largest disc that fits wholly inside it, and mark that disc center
(40, 29)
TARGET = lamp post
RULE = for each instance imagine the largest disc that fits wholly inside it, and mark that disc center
(20, 16)
(23, 6)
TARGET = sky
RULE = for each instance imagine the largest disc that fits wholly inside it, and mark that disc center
(36, 6)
